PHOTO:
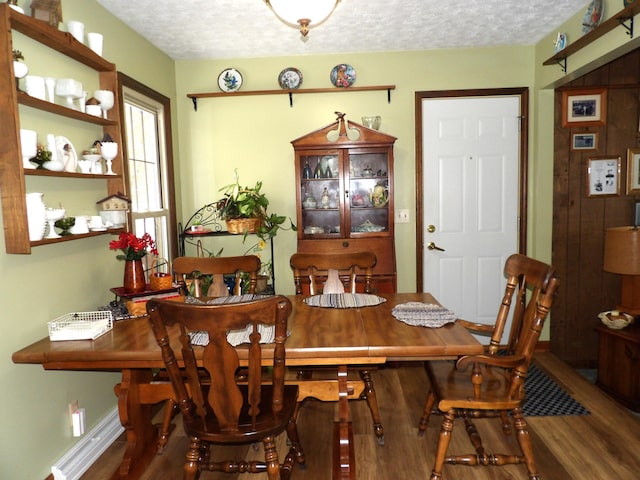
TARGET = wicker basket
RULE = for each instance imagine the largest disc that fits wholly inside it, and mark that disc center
(243, 225)
(159, 280)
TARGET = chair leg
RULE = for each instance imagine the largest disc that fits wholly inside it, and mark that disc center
(192, 459)
(296, 446)
(165, 430)
(372, 402)
(426, 413)
(443, 444)
(271, 459)
(506, 424)
(525, 442)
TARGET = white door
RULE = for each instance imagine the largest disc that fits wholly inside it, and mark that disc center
(470, 200)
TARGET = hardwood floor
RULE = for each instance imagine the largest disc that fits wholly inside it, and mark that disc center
(600, 446)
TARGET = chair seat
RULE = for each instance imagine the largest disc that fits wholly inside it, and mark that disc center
(454, 389)
(266, 423)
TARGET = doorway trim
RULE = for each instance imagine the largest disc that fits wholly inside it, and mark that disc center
(523, 93)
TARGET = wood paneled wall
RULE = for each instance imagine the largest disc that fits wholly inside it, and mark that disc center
(579, 221)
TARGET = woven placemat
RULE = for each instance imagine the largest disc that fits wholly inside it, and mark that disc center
(344, 300)
(423, 314)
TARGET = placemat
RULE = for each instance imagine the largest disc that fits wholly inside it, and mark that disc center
(423, 314)
(344, 300)
(234, 337)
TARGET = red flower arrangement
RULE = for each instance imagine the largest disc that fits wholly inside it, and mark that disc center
(134, 248)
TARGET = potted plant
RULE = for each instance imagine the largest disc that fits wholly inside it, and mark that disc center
(244, 209)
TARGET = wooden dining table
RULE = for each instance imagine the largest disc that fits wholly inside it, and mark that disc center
(318, 336)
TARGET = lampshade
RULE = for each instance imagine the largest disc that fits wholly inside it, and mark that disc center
(622, 250)
(302, 14)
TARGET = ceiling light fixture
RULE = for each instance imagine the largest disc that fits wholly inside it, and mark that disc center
(302, 14)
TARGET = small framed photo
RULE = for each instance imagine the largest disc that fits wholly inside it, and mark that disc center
(603, 176)
(584, 107)
(633, 171)
(584, 141)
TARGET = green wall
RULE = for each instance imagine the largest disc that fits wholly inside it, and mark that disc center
(253, 135)
(61, 278)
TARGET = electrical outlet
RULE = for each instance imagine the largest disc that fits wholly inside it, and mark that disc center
(402, 216)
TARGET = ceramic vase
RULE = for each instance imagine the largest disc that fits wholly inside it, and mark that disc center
(36, 216)
(134, 280)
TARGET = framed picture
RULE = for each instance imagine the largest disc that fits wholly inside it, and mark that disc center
(633, 171)
(585, 107)
(603, 176)
(584, 141)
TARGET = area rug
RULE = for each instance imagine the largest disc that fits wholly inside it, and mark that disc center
(546, 398)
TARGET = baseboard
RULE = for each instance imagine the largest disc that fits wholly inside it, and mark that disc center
(83, 454)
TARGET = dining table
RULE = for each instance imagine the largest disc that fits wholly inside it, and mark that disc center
(318, 336)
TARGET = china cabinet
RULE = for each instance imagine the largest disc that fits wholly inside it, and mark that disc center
(344, 194)
(13, 176)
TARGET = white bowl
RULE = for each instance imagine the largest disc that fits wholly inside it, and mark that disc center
(615, 320)
(114, 218)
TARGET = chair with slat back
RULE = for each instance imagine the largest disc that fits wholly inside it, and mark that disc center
(495, 385)
(192, 269)
(221, 410)
(340, 272)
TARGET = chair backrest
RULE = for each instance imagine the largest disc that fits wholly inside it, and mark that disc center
(527, 280)
(333, 268)
(221, 360)
(531, 288)
(190, 269)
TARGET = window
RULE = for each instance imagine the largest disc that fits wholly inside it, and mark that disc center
(149, 165)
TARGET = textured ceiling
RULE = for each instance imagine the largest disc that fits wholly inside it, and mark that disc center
(213, 29)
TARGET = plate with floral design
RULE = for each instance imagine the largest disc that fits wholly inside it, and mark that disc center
(343, 75)
(290, 78)
(230, 80)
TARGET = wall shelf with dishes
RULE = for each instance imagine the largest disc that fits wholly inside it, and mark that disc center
(290, 92)
(14, 170)
(623, 18)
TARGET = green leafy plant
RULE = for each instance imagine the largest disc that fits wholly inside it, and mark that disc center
(42, 156)
(251, 202)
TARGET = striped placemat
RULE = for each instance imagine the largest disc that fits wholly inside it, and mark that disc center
(234, 337)
(423, 314)
(344, 300)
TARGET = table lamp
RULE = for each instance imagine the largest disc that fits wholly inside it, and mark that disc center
(622, 256)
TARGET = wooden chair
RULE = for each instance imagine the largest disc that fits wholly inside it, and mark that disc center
(339, 272)
(495, 386)
(191, 269)
(187, 269)
(221, 410)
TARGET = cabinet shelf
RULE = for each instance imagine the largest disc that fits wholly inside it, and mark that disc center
(624, 17)
(195, 96)
(12, 173)
(33, 102)
(75, 236)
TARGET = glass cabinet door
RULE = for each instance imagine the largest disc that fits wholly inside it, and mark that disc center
(368, 189)
(321, 184)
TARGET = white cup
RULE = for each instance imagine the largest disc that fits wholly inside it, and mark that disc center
(95, 42)
(94, 110)
(81, 225)
(76, 29)
(85, 166)
(96, 222)
(35, 86)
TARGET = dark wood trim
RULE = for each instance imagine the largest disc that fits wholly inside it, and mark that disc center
(523, 93)
(126, 81)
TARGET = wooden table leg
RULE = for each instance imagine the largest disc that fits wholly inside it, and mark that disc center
(344, 464)
(136, 418)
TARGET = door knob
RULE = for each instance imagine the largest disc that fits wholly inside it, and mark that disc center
(431, 228)
(433, 246)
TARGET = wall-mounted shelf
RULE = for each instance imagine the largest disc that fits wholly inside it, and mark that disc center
(624, 17)
(195, 96)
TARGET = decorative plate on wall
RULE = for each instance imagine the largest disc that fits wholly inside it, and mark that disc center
(593, 15)
(343, 75)
(290, 78)
(230, 80)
